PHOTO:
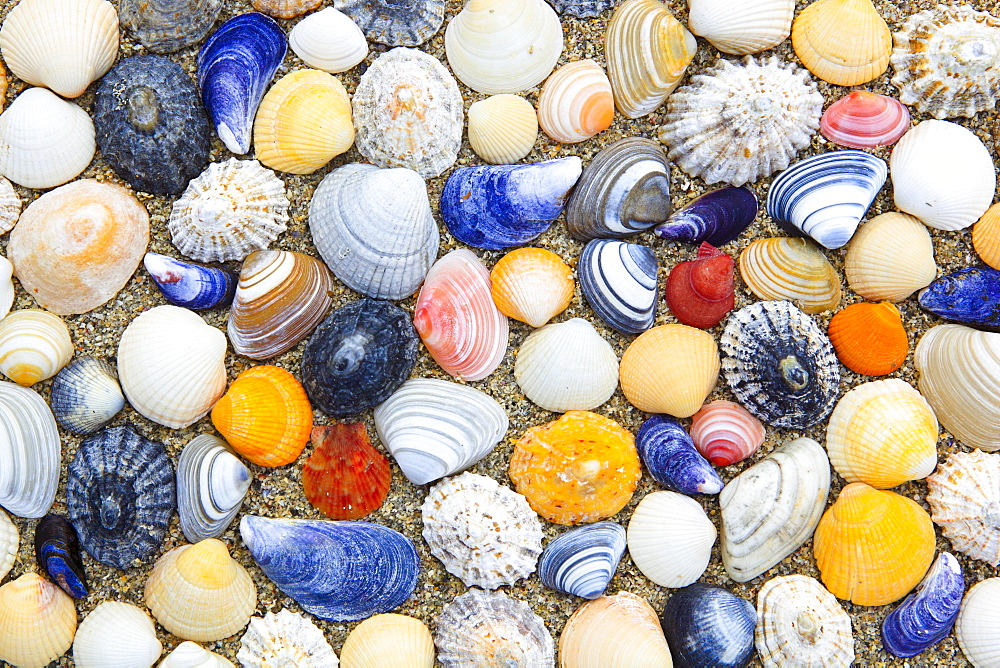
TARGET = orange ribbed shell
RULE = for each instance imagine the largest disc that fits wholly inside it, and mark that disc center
(531, 285)
(869, 338)
(265, 416)
(582, 467)
(986, 236)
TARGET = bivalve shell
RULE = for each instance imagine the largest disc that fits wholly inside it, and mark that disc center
(707, 625)
(618, 280)
(328, 40)
(192, 655)
(865, 120)
(188, 284)
(798, 621)
(37, 621)
(10, 206)
(963, 494)
(844, 42)
(9, 541)
(740, 30)
(671, 458)
(30, 450)
(165, 26)
(619, 630)
(726, 433)
(890, 258)
(969, 296)
(928, 614)
(792, 269)
(58, 553)
(116, 634)
(869, 338)
(389, 639)
(285, 639)
(6, 286)
(716, 218)
(285, 9)
(406, 23)
(701, 292)
(576, 102)
(670, 539)
(211, 484)
(986, 236)
(86, 395)
(532, 285)
(34, 345)
(582, 561)
(502, 128)
(977, 621)
(345, 477)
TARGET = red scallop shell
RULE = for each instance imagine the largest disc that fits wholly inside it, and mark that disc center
(346, 478)
(865, 120)
(701, 292)
(726, 433)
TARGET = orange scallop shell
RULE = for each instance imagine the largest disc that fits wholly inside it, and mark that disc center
(531, 285)
(869, 338)
(582, 467)
(986, 236)
(345, 477)
(265, 416)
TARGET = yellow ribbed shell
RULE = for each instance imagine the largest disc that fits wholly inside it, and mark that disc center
(37, 621)
(845, 42)
(986, 236)
(388, 640)
(670, 369)
(531, 285)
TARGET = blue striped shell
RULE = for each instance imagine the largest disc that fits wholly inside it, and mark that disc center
(86, 395)
(717, 217)
(618, 280)
(928, 614)
(706, 625)
(582, 561)
(57, 551)
(188, 284)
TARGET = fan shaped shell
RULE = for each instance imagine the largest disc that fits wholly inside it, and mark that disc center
(165, 26)
(618, 280)
(345, 478)
(619, 630)
(793, 269)
(10, 206)
(116, 634)
(31, 452)
(865, 120)
(890, 258)
(37, 621)
(986, 237)
(502, 128)
(286, 638)
(963, 495)
(389, 639)
(192, 655)
(799, 620)
(582, 561)
(34, 346)
(977, 620)
(328, 40)
(844, 42)
(211, 484)
(285, 9)
(532, 285)
(670, 538)
(576, 102)
(869, 338)
(407, 23)
(747, 28)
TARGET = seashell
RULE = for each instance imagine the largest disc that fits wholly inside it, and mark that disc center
(190, 285)
(358, 357)
(303, 122)
(976, 623)
(707, 625)
(345, 478)
(235, 65)
(671, 458)
(967, 295)
(580, 468)
(873, 546)
(193, 655)
(618, 280)
(116, 634)
(499, 206)
(435, 428)
(748, 28)
(286, 638)
(158, 344)
(958, 369)
(165, 26)
(943, 175)
(265, 416)
(328, 40)
(670, 369)
(198, 592)
(962, 495)
(408, 113)
(37, 621)
(10, 206)
(890, 258)
(945, 61)
(670, 538)
(211, 484)
(865, 120)
(844, 42)
(281, 297)
(285, 9)
(231, 209)
(825, 196)
(773, 507)
(780, 365)
(576, 102)
(792, 269)
(374, 229)
(985, 237)
(408, 23)
(717, 217)
(495, 46)
(389, 639)
(739, 123)
(341, 571)
(701, 292)
(45, 141)
(34, 345)
(800, 621)
(726, 433)
(927, 615)
(76, 246)
(29, 447)
(9, 542)
(581, 8)
(482, 532)
(532, 285)
(457, 319)
(582, 561)
(647, 51)
(7, 286)
(619, 630)
(120, 496)
(566, 366)
(869, 338)
(151, 127)
(57, 553)
(481, 627)
(502, 128)
(623, 191)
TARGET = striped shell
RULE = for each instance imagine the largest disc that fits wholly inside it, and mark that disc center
(792, 269)
(30, 448)
(86, 395)
(726, 433)
(211, 484)
(890, 258)
(620, 630)
(844, 42)
(865, 120)
(502, 128)
(576, 103)
(34, 345)
(869, 338)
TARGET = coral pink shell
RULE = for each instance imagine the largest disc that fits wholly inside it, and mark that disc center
(701, 292)
(865, 120)
(726, 433)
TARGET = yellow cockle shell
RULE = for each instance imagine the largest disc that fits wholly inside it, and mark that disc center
(844, 42)
(37, 621)
(792, 269)
(389, 640)
(532, 285)
(890, 257)
(986, 236)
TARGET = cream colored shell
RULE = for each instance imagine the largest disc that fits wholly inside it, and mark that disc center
(741, 28)
(844, 42)
(792, 269)
(9, 541)
(192, 655)
(10, 206)
(388, 640)
(890, 257)
(976, 626)
(964, 496)
(576, 102)
(328, 40)
(670, 538)
(6, 286)
(38, 619)
(114, 635)
(502, 128)
(621, 630)
(34, 345)
(285, 639)
(799, 622)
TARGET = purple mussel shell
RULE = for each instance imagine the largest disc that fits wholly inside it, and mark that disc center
(717, 217)
(669, 453)
(927, 615)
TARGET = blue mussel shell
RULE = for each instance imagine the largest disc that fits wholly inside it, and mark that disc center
(57, 551)
(582, 561)
(717, 217)
(669, 453)
(190, 285)
(706, 625)
(927, 615)
(970, 296)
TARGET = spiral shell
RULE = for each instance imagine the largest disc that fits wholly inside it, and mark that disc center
(670, 539)
(502, 128)
(328, 40)
(116, 634)
(890, 258)
(747, 28)
(576, 102)
(30, 443)
(34, 345)
(532, 285)
(619, 630)
(963, 493)
(844, 42)
(37, 621)
(792, 269)
(800, 621)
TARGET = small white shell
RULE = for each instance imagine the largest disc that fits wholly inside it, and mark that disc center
(502, 128)
(6, 286)
(9, 540)
(285, 639)
(192, 655)
(10, 206)
(976, 626)
(114, 635)
(328, 40)
(741, 28)
(890, 257)
(34, 345)
(670, 538)
(964, 495)
(30, 450)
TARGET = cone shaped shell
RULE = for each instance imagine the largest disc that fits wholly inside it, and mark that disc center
(502, 128)
(34, 345)
(619, 630)
(890, 258)
(389, 639)
(30, 448)
(873, 547)
(328, 40)
(37, 621)
(869, 338)
(576, 102)
(845, 42)
(746, 28)
(345, 478)
(670, 538)
(165, 26)
(116, 634)
(532, 285)
(726, 433)
(792, 269)
(9, 541)
(865, 120)
(963, 493)
(977, 621)
(986, 237)
(670, 369)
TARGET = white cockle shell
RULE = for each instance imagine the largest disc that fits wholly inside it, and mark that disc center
(890, 257)
(6, 286)
(30, 450)
(10, 206)
(741, 28)
(328, 40)
(670, 538)
(211, 484)
(192, 655)
(34, 345)
(285, 639)
(116, 634)
(976, 626)
(964, 495)
(9, 541)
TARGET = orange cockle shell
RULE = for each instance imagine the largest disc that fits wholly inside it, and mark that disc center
(345, 477)
(986, 236)
(869, 338)
(532, 285)
(582, 467)
(265, 416)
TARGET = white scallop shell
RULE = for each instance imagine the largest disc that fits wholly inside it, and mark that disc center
(744, 27)
(29, 448)
(10, 206)
(890, 257)
(171, 364)
(977, 623)
(328, 40)
(45, 141)
(567, 366)
(502, 128)
(34, 345)
(192, 655)
(9, 541)
(114, 635)
(285, 639)
(211, 484)
(670, 538)
(942, 174)
(6, 286)
(964, 495)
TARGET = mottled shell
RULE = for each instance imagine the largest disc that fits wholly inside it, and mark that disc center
(964, 494)
(502, 128)
(670, 538)
(389, 639)
(844, 42)
(792, 269)
(29, 446)
(869, 338)
(977, 621)
(620, 630)
(9, 541)
(116, 634)
(986, 236)
(532, 285)
(285, 639)
(285, 9)
(576, 102)
(890, 258)
(741, 29)
(800, 621)
(10, 206)
(328, 40)
(34, 345)
(165, 26)
(37, 621)
(394, 22)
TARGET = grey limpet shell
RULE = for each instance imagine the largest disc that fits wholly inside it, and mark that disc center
(395, 22)
(165, 26)
(582, 8)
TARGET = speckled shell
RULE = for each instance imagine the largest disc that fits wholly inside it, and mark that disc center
(328, 40)
(725, 433)
(86, 395)
(800, 621)
(619, 630)
(576, 102)
(793, 269)
(582, 561)
(37, 622)
(408, 112)
(581, 8)
(30, 443)
(406, 23)
(869, 338)
(741, 29)
(116, 634)
(10, 206)
(9, 541)
(844, 42)
(192, 655)
(389, 639)
(890, 258)
(985, 236)
(287, 639)
(963, 494)
(670, 538)
(502, 128)
(532, 285)
(865, 120)
(977, 621)
(211, 484)
(741, 122)
(285, 9)
(927, 615)
(34, 345)
(165, 26)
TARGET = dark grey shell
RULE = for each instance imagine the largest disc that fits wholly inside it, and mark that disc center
(165, 26)
(395, 22)
(120, 496)
(706, 625)
(581, 8)
(150, 124)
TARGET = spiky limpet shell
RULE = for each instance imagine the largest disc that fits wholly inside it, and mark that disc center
(286, 638)
(964, 495)
(799, 620)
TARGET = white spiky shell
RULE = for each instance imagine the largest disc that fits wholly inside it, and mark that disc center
(328, 40)
(9, 540)
(34, 345)
(502, 128)
(30, 450)
(964, 494)
(6, 286)
(890, 257)
(285, 639)
(670, 538)
(116, 634)
(799, 622)
(192, 655)
(976, 626)
(741, 28)
(389, 640)
(10, 206)
(38, 621)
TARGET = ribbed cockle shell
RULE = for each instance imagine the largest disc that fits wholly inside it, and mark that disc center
(345, 477)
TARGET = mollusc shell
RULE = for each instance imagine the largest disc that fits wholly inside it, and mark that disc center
(671, 458)
(619, 630)
(211, 484)
(406, 23)
(165, 26)
(389, 639)
(116, 634)
(57, 552)
(9, 542)
(793, 269)
(532, 285)
(37, 620)
(800, 621)
(328, 40)
(967, 295)
(670, 539)
(618, 279)
(188, 284)
(746, 28)
(34, 346)
(890, 258)
(716, 218)
(976, 623)
(701, 292)
(707, 625)
(962, 494)
(345, 477)
(726, 433)
(865, 120)
(502, 128)
(285, 639)
(582, 561)
(31, 451)
(927, 615)
(844, 42)
(869, 338)
(576, 102)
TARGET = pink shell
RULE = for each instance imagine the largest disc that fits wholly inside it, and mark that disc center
(457, 319)
(726, 433)
(865, 120)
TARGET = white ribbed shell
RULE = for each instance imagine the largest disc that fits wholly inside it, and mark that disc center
(976, 626)
(9, 540)
(670, 538)
(30, 450)
(964, 495)
(328, 40)
(192, 655)
(743, 27)
(114, 635)
(285, 639)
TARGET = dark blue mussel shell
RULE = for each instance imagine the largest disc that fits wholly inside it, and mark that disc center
(57, 551)
(582, 561)
(706, 626)
(235, 65)
(120, 496)
(618, 280)
(150, 124)
(188, 284)
(669, 453)
(717, 217)
(969, 296)
(928, 614)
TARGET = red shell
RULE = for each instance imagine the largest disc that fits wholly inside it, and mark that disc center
(726, 433)
(865, 120)
(346, 478)
(701, 292)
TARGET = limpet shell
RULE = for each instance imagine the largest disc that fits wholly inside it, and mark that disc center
(286, 638)
(746, 28)
(395, 22)
(532, 285)
(844, 42)
(963, 495)
(869, 338)
(389, 639)
(502, 128)
(976, 623)
(285, 9)
(792, 269)
(116, 634)
(86, 395)
(37, 621)
(619, 630)
(890, 258)
(670, 538)
(34, 345)
(576, 102)
(800, 621)
(581, 8)
(701, 292)
(165, 26)
(30, 450)
(328, 40)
